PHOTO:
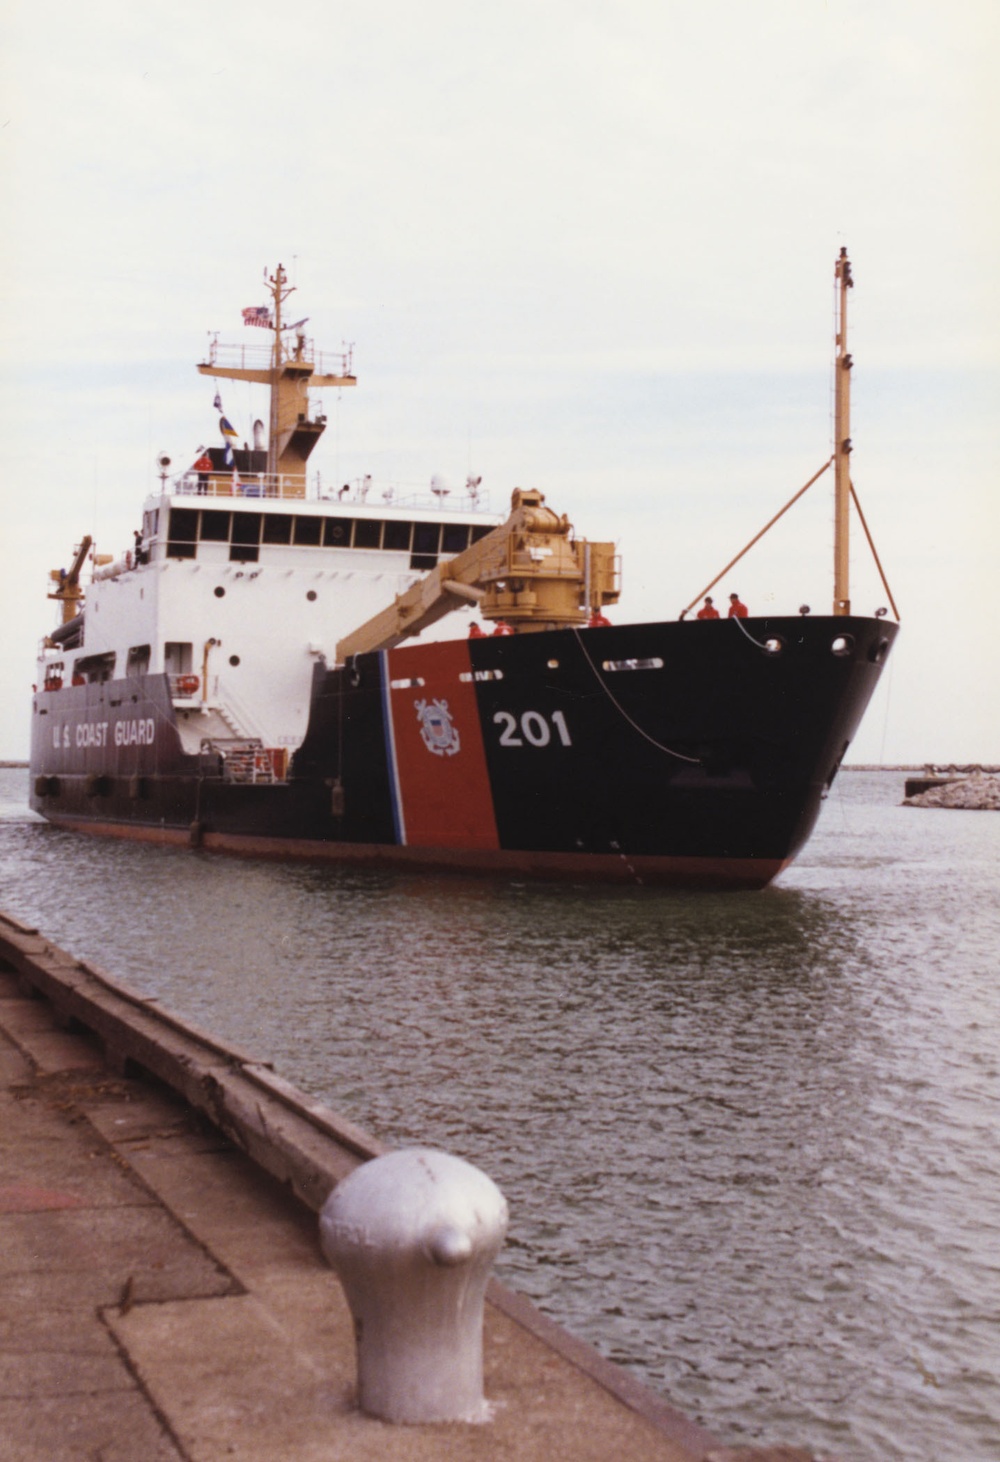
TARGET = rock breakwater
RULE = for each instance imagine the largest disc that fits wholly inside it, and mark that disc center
(979, 792)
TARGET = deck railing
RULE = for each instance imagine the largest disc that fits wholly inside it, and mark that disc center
(238, 484)
(358, 492)
(260, 357)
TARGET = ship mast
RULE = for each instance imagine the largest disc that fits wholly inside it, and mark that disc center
(290, 374)
(279, 294)
(842, 444)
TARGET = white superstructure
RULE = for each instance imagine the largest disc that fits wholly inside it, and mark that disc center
(244, 574)
(236, 598)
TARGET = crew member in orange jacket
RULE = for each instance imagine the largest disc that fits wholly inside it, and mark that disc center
(708, 609)
(737, 609)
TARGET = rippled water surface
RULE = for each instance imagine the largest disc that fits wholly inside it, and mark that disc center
(749, 1140)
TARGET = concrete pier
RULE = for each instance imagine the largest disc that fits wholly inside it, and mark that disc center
(165, 1299)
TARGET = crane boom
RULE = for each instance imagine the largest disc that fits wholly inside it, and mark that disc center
(530, 572)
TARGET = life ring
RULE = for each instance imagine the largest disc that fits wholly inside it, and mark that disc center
(187, 684)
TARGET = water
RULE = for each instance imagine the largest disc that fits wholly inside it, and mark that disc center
(749, 1140)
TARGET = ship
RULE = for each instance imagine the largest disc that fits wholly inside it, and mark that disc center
(282, 668)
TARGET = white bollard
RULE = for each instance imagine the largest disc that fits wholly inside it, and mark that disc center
(412, 1237)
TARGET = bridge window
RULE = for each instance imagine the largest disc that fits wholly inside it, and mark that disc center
(183, 534)
(214, 527)
(245, 532)
(337, 532)
(397, 536)
(368, 533)
(277, 528)
(245, 547)
(426, 537)
(308, 531)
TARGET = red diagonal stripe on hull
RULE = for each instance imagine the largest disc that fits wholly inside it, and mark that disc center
(445, 792)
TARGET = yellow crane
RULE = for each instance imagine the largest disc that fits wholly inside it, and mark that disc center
(530, 573)
(70, 591)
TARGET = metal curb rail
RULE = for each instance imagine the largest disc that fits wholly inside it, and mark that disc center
(300, 1142)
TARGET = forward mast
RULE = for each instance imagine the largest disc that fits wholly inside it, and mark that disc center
(842, 445)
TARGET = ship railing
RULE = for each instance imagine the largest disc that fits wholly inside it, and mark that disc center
(244, 759)
(297, 350)
(370, 492)
(363, 492)
(226, 483)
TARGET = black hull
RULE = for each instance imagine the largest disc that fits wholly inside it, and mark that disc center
(680, 753)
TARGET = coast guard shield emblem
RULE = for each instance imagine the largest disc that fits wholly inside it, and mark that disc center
(439, 735)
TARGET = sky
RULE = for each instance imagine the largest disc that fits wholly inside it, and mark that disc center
(582, 247)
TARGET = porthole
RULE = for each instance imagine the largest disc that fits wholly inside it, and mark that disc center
(774, 645)
(843, 645)
(878, 651)
(311, 595)
(234, 660)
(220, 592)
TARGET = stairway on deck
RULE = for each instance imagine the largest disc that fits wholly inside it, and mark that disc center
(214, 731)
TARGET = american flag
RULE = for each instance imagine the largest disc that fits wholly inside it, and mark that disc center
(257, 315)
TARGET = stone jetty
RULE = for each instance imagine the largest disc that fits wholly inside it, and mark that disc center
(978, 792)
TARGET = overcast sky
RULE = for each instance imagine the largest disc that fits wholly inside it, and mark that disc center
(583, 247)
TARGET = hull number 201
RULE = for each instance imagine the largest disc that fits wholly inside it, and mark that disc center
(533, 729)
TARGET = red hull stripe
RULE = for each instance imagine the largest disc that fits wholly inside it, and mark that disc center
(729, 873)
(439, 764)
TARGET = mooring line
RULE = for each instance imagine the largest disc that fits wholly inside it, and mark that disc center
(759, 643)
(694, 760)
